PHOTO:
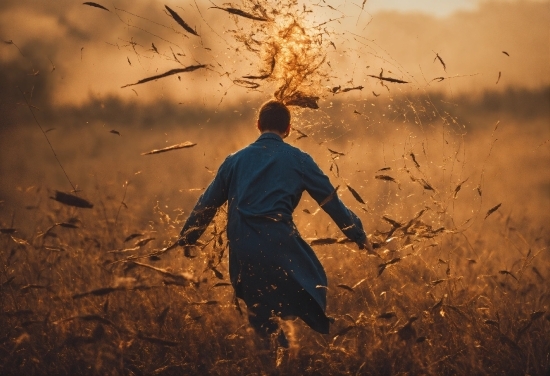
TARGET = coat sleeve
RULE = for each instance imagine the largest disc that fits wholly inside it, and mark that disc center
(206, 207)
(319, 187)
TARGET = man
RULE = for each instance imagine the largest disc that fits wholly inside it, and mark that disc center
(271, 267)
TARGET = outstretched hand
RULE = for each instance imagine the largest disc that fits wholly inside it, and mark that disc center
(367, 245)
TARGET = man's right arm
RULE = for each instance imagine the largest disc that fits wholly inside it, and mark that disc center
(205, 209)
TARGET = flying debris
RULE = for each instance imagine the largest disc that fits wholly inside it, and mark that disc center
(383, 266)
(301, 100)
(385, 177)
(242, 13)
(302, 134)
(246, 84)
(190, 68)
(183, 145)
(334, 152)
(72, 200)
(265, 75)
(345, 90)
(389, 79)
(345, 287)
(356, 195)
(96, 5)
(492, 210)
(180, 21)
(457, 189)
(329, 197)
(414, 159)
(132, 236)
(441, 61)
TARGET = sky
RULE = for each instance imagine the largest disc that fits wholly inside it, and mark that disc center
(439, 8)
(73, 52)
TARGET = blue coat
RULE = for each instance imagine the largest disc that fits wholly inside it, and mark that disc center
(269, 263)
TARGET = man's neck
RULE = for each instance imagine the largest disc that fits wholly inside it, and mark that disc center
(274, 132)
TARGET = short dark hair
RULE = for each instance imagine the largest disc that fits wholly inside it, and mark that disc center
(274, 116)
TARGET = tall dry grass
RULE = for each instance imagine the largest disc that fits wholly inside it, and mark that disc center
(459, 289)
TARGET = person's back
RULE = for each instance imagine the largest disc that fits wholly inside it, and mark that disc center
(271, 267)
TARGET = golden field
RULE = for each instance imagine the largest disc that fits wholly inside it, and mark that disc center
(472, 273)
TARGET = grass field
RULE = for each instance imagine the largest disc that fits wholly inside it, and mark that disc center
(461, 286)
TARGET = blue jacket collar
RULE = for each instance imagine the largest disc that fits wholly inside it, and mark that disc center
(270, 136)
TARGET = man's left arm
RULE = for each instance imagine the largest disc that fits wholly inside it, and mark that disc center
(321, 190)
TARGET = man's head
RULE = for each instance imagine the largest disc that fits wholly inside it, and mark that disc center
(274, 116)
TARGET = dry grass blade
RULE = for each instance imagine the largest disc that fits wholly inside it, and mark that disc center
(329, 197)
(132, 236)
(66, 225)
(506, 272)
(96, 5)
(72, 200)
(392, 222)
(34, 286)
(386, 315)
(414, 159)
(389, 79)
(180, 21)
(183, 145)
(335, 153)
(343, 331)
(384, 265)
(246, 84)
(171, 72)
(142, 242)
(457, 189)
(385, 177)
(301, 134)
(181, 277)
(217, 273)
(345, 90)
(20, 313)
(441, 61)
(157, 341)
(425, 185)
(242, 13)
(356, 195)
(90, 317)
(345, 287)
(222, 284)
(98, 292)
(492, 210)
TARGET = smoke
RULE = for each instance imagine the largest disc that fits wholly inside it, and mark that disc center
(69, 52)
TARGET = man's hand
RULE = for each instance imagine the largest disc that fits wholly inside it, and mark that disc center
(368, 246)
